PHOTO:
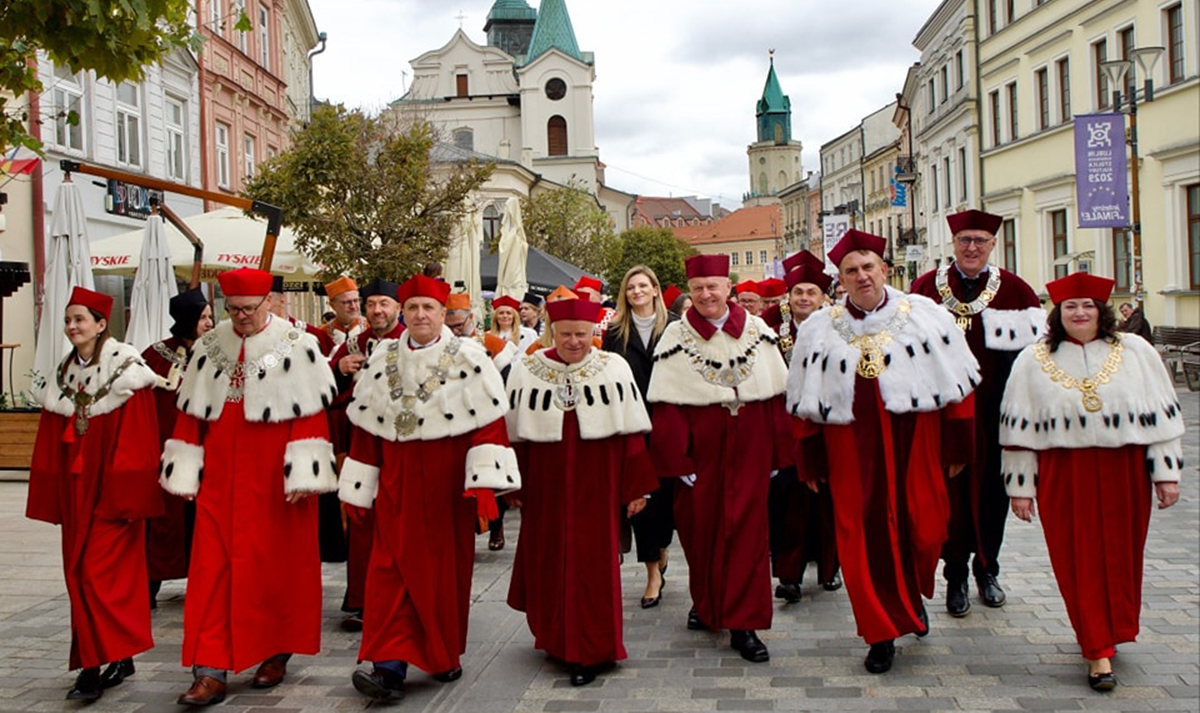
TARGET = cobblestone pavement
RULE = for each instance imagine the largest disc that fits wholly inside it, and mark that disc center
(1019, 658)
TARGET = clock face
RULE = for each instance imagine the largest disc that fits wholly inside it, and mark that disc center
(556, 89)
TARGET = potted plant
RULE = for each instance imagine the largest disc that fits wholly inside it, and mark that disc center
(19, 418)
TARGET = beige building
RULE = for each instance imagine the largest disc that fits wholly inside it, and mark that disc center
(1039, 66)
(751, 237)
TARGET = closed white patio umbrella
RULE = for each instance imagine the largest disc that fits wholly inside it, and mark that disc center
(462, 261)
(511, 280)
(153, 287)
(68, 265)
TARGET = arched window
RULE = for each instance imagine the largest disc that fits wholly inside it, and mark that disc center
(491, 223)
(762, 183)
(464, 139)
(779, 133)
(556, 136)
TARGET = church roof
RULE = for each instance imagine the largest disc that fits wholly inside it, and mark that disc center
(511, 10)
(773, 99)
(553, 31)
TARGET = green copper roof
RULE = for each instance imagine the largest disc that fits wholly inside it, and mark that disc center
(512, 10)
(553, 30)
(773, 99)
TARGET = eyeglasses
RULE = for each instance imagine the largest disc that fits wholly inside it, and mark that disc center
(244, 311)
(967, 241)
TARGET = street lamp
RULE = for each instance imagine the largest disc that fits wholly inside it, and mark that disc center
(1115, 70)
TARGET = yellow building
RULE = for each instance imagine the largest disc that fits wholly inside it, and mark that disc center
(751, 237)
(1039, 66)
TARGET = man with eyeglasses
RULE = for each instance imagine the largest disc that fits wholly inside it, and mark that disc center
(1000, 315)
(347, 322)
(461, 321)
(252, 423)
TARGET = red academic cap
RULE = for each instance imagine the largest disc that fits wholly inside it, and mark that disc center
(420, 286)
(590, 283)
(576, 309)
(974, 220)
(97, 302)
(506, 301)
(246, 282)
(671, 294)
(772, 287)
(707, 266)
(856, 240)
(812, 272)
(1080, 285)
(791, 262)
(747, 286)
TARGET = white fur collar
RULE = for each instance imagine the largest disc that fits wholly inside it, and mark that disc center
(1011, 330)
(1139, 403)
(674, 381)
(297, 381)
(929, 364)
(468, 393)
(607, 400)
(95, 375)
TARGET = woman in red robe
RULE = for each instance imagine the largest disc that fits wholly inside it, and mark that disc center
(1089, 420)
(99, 398)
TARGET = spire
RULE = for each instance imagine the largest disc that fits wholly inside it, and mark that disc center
(773, 99)
(553, 31)
(774, 111)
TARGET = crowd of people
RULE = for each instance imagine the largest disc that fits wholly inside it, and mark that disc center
(768, 426)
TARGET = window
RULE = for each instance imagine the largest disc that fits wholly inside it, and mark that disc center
(222, 155)
(994, 101)
(933, 184)
(68, 109)
(556, 89)
(960, 74)
(239, 9)
(248, 161)
(129, 124)
(264, 37)
(464, 139)
(1012, 112)
(214, 8)
(762, 257)
(272, 152)
(491, 223)
(1010, 11)
(1063, 66)
(1042, 81)
(733, 258)
(1127, 44)
(993, 17)
(556, 136)
(1193, 233)
(461, 87)
(962, 170)
(1175, 67)
(1122, 268)
(1099, 55)
(1008, 237)
(949, 198)
(176, 128)
(945, 83)
(932, 96)
(1058, 240)
(749, 257)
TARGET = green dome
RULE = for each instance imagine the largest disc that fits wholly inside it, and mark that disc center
(511, 10)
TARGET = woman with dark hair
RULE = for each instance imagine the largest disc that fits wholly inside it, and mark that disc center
(95, 473)
(169, 538)
(633, 333)
(1091, 426)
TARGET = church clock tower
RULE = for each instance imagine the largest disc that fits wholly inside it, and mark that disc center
(774, 157)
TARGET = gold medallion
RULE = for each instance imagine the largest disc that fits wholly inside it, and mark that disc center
(1092, 402)
(964, 324)
(870, 364)
(81, 424)
(406, 423)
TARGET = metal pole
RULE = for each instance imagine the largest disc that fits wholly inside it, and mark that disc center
(1136, 204)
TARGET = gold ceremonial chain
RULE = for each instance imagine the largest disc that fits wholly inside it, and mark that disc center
(564, 379)
(178, 360)
(964, 311)
(83, 400)
(728, 375)
(407, 421)
(785, 331)
(240, 370)
(871, 363)
(1088, 385)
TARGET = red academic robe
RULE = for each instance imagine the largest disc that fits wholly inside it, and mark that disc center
(168, 538)
(566, 575)
(360, 533)
(99, 487)
(419, 579)
(254, 586)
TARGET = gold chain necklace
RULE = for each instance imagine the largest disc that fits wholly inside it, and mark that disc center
(871, 363)
(566, 379)
(786, 339)
(963, 311)
(84, 401)
(406, 421)
(1087, 385)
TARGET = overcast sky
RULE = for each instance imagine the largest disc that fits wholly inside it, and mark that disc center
(676, 82)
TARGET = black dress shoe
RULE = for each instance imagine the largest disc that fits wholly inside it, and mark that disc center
(447, 676)
(1103, 682)
(87, 686)
(788, 592)
(378, 684)
(923, 616)
(353, 622)
(694, 622)
(958, 603)
(749, 645)
(651, 602)
(116, 672)
(880, 656)
(990, 591)
(582, 675)
(834, 583)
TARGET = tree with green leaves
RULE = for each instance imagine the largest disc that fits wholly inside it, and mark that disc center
(363, 195)
(569, 224)
(656, 248)
(117, 39)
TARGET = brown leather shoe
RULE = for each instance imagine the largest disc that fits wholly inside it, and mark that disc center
(270, 673)
(205, 691)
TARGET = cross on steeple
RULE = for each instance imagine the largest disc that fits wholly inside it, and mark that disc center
(460, 17)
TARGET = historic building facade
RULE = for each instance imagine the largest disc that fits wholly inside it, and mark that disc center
(774, 159)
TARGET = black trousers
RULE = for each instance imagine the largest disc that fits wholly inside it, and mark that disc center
(654, 527)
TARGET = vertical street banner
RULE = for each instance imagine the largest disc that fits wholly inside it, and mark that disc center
(899, 191)
(1100, 165)
(833, 227)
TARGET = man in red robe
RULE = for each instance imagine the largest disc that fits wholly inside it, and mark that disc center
(582, 460)
(347, 322)
(880, 386)
(749, 297)
(1000, 315)
(169, 538)
(717, 390)
(279, 307)
(253, 422)
(383, 314)
(428, 412)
